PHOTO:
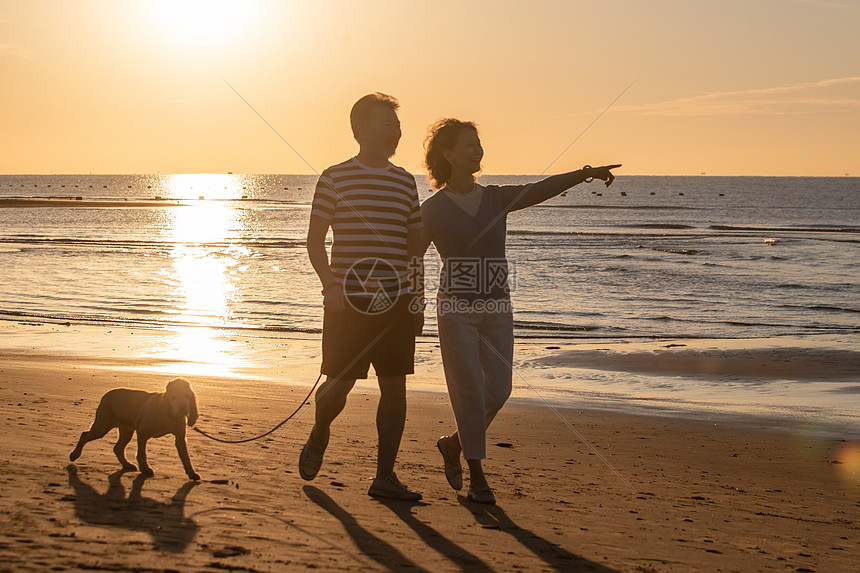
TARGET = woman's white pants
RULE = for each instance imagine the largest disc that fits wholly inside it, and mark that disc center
(477, 353)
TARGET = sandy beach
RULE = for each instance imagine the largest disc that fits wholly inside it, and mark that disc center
(656, 493)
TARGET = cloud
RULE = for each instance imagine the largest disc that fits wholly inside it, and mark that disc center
(807, 97)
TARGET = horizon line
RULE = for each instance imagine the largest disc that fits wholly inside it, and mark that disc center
(158, 173)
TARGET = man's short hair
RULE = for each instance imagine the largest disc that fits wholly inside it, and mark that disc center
(364, 107)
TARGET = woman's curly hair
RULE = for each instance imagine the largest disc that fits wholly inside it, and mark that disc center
(442, 136)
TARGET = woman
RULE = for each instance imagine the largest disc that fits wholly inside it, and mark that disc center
(467, 223)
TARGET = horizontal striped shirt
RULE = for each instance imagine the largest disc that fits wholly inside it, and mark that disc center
(370, 211)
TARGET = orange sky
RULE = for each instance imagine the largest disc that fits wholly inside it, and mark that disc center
(729, 87)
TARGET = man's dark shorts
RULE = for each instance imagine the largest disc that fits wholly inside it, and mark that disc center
(354, 340)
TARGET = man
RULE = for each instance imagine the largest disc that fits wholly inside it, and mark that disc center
(373, 211)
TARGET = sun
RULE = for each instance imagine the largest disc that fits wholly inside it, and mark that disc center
(201, 23)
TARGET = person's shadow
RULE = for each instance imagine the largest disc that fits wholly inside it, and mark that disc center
(457, 555)
(165, 522)
(377, 549)
(554, 555)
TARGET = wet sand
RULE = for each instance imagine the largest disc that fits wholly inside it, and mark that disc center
(787, 363)
(688, 495)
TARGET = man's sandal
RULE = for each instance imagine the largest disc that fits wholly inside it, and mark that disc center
(311, 458)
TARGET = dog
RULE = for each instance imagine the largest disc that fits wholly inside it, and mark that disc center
(151, 415)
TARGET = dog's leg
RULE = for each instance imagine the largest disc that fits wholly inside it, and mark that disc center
(125, 435)
(182, 449)
(141, 454)
(101, 426)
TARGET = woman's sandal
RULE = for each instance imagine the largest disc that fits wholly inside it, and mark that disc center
(453, 469)
(485, 496)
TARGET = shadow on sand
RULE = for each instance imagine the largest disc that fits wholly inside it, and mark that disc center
(459, 556)
(554, 555)
(491, 517)
(377, 549)
(164, 522)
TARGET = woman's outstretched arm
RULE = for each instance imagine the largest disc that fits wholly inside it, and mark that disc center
(523, 196)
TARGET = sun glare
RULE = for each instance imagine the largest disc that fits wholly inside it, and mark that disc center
(206, 256)
(201, 23)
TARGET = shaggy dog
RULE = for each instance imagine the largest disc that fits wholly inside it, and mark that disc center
(151, 415)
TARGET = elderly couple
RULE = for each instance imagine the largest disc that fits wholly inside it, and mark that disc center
(373, 286)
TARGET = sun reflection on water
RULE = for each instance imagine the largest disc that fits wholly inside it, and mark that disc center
(207, 258)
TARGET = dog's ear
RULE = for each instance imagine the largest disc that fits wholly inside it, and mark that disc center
(192, 407)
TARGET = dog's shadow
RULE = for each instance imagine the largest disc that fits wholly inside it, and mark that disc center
(164, 521)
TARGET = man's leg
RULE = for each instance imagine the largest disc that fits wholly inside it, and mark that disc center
(390, 420)
(330, 401)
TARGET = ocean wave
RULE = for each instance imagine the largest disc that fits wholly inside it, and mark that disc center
(824, 307)
(660, 226)
(619, 233)
(757, 324)
(68, 319)
(671, 251)
(618, 207)
(818, 229)
(149, 243)
(108, 200)
(553, 327)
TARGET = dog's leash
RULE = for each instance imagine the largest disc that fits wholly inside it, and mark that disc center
(290, 417)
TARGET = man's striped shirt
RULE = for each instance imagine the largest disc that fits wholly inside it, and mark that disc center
(370, 211)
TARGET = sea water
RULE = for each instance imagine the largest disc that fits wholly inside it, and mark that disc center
(648, 257)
